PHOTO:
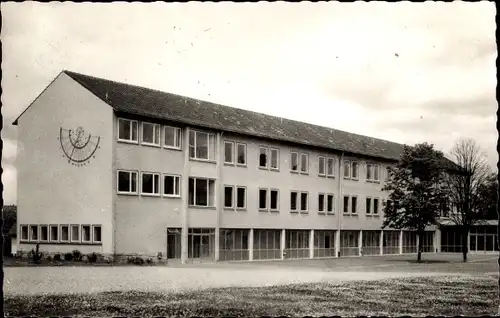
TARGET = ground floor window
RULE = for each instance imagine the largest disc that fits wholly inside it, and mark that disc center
(201, 243)
(428, 242)
(349, 243)
(409, 242)
(451, 240)
(391, 242)
(174, 243)
(371, 242)
(233, 245)
(297, 244)
(324, 244)
(267, 244)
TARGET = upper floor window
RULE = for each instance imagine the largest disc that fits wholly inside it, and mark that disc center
(321, 166)
(150, 134)
(304, 163)
(368, 206)
(294, 161)
(201, 145)
(172, 137)
(326, 166)
(299, 162)
(241, 154)
(275, 157)
(229, 152)
(268, 158)
(375, 206)
(150, 183)
(127, 182)
(351, 170)
(350, 204)
(127, 130)
(171, 185)
(372, 172)
(201, 192)
(388, 173)
(299, 201)
(234, 198)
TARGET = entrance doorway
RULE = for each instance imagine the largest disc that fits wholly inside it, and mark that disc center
(201, 243)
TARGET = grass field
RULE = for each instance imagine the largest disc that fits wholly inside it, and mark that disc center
(444, 295)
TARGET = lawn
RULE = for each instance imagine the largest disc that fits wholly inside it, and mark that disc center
(444, 295)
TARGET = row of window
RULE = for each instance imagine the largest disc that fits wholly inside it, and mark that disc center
(202, 147)
(202, 194)
(57, 233)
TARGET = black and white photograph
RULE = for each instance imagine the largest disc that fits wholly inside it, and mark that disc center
(209, 159)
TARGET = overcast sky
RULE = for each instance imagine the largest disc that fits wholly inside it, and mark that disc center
(405, 72)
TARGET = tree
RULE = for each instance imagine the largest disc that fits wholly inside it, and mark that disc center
(414, 197)
(489, 196)
(9, 218)
(468, 188)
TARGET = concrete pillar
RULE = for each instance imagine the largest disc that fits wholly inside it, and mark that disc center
(468, 242)
(381, 242)
(219, 191)
(437, 240)
(283, 243)
(250, 245)
(360, 242)
(311, 244)
(184, 198)
(401, 242)
(337, 243)
(418, 241)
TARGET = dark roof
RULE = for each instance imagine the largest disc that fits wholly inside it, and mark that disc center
(156, 104)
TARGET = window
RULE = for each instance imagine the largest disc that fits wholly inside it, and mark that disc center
(96, 235)
(304, 163)
(171, 185)
(275, 157)
(274, 200)
(75, 233)
(44, 233)
(293, 201)
(354, 170)
(388, 171)
(150, 134)
(241, 200)
(372, 172)
(321, 202)
(262, 199)
(150, 183)
(127, 130)
(201, 192)
(368, 205)
(321, 165)
(172, 137)
(294, 161)
(351, 170)
(329, 203)
(229, 152)
(54, 233)
(228, 196)
(330, 167)
(241, 154)
(33, 232)
(354, 205)
(24, 233)
(347, 169)
(346, 204)
(375, 206)
(303, 202)
(64, 233)
(127, 182)
(86, 238)
(201, 145)
(263, 157)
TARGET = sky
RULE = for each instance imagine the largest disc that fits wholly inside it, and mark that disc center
(404, 72)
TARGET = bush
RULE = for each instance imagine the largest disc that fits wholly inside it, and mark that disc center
(135, 260)
(57, 257)
(68, 257)
(77, 255)
(92, 257)
(149, 261)
(36, 255)
(49, 258)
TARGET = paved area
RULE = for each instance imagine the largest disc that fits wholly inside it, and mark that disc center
(37, 280)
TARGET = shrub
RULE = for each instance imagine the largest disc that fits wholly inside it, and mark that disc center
(57, 257)
(92, 257)
(68, 257)
(49, 258)
(36, 255)
(135, 260)
(77, 255)
(149, 261)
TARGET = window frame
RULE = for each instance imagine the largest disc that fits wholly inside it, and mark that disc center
(155, 126)
(72, 227)
(177, 137)
(324, 203)
(307, 163)
(177, 180)
(233, 197)
(377, 205)
(344, 205)
(296, 153)
(21, 239)
(210, 152)
(130, 182)
(210, 182)
(93, 227)
(277, 151)
(130, 121)
(244, 156)
(53, 226)
(307, 202)
(61, 226)
(158, 185)
(232, 152)
(266, 167)
(354, 163)
(368, 206)
(244, 198)
(322, 165)
(40, 238)
(30, 233)
(297, 201)
(277, 200)
(266, 208)
(372, 169)
(333, 203)
(82, 236)
(332, 175)
(352, 205)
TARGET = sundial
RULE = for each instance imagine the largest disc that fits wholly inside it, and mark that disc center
(78, 146)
